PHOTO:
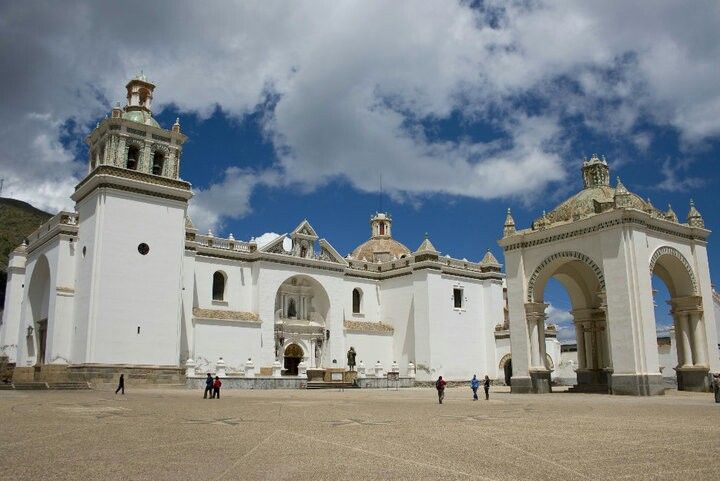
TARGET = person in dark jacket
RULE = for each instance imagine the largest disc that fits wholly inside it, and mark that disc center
(216, 388)
(121, 384)
(716, 387)
(208, 386)
(440, 386)
(474, 385)
(486, 386)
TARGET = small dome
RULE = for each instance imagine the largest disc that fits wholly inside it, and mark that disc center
(141, 117)
(379, 250)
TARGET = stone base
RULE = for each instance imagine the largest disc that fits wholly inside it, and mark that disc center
(637, 384)
(592, 377)
(693, 379)
(537, 383)
(107, 375)
(328, 377)
(315, 374)
(541, 381)
(383, 383)
(52, 373)
(350, 376)
(23, 374)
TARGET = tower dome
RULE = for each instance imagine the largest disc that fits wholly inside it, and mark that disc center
(381, 247)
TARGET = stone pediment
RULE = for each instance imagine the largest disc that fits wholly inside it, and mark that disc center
(304, 231)
(275, 246)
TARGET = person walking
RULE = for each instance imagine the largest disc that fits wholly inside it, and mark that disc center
(474, 385)
(486, 386)
(208, 386)
(121, 384)
(716, 387)
(440, 386)
(216, 388)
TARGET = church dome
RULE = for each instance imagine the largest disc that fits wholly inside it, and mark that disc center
(381, 247)
(596, 197)
(378, 250)
(141, 117)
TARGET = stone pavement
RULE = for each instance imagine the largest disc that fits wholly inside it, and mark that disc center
(163, 434)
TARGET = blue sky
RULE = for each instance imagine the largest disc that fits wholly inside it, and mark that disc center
(296, 111)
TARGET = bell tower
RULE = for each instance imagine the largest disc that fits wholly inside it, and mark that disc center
(380, 226)
(131, 207)
(595, 172)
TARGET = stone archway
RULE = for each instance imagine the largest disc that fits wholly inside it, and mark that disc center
(301, 309)
(675, 272)
(292, 357)
(505, 366)
(585, 284)
(38, 310)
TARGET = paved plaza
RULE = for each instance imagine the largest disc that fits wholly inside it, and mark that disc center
(159, 434)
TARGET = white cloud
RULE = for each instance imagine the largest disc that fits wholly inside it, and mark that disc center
(356, 84)
(264, 239)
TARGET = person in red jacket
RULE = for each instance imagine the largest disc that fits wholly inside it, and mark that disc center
(440, 386)
(216, 388)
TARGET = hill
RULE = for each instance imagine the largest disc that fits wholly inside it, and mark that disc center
(18, 219)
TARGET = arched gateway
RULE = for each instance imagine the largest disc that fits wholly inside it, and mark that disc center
(603, 244)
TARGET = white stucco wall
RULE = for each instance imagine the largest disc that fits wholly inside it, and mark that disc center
(234, 341)
(371, 348)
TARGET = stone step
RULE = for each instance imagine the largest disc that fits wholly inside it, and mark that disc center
(590, 389)
(330, 385)
(30, 386)
(68, 385)
(6, 387)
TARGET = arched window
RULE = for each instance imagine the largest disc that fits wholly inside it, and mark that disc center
(382, 228)
(158, 162)
(133, 157)
(303, 251)
(291, 312)
(357, 298)
(218, 290)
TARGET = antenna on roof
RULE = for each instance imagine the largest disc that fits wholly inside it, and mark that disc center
(381, 193)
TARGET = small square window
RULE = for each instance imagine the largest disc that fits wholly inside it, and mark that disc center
(458, 298)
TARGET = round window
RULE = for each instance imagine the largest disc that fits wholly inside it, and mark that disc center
(143, 248)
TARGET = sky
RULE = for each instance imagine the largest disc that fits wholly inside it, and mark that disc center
(442, 113)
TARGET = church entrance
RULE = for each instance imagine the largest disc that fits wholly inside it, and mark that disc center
(293, 356)
(508, 372)
(42, 340)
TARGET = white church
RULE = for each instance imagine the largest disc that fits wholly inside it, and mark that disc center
(126, 284)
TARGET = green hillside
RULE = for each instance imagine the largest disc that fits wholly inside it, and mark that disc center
(17, 220)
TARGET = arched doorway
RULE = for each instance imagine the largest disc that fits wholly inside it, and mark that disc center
(38, 306)
(507, 369)
(292, 357)
(301, 309)
(672, 268)
(584, 283)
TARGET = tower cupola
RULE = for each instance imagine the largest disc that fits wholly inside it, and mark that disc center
(380, 226)
(139, 94)
(595, 172)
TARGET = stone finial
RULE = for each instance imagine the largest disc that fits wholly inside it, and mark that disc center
(542, 222)
(176, 125)
(411, 370)
(694, 219)
(622, 196)
(509, 226)
(210, 233)
(117, 111)
(230, 237)
(220, 368)
(190, 367)
(671, 215)
(427, 246)
(489, 259)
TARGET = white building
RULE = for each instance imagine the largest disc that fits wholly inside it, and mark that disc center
(125, 283)
(604, 244)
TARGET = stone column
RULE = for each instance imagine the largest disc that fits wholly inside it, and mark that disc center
(541, 340)
(589, 347)
(681, 355)
(604, 351)
(699, 343)
(580, 336)
(534, 343)
(685, 339)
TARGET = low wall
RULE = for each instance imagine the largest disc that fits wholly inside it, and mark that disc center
(107, 375)
(259, 382)
(263, 382)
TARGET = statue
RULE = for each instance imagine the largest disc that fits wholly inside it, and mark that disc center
(351, 358)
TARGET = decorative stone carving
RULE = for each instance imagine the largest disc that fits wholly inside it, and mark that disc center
(249, 368)
(573, 255)
(220, 368)
(190, 367)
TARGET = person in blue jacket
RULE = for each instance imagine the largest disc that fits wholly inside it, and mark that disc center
(474, 385)
(208, 386)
